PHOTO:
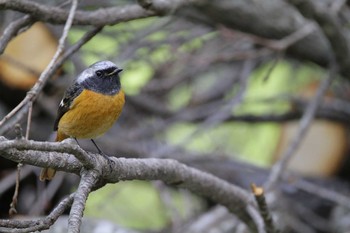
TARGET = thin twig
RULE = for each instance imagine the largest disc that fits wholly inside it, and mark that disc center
(323, 192)
(29, 119)
(273, 66)
(259, 195)
(13, 204)
(337, 5)
(296, 36)
(21, 110)
(12, 30)
(304, 125)
(332, 28)
(336, 57)
(36, 225)
(47, 195)
(13, 210)
(10, 180)
(221, 115)
(46, 74)
(283, 43)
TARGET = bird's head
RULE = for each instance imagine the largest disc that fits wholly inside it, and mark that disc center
(101, 77)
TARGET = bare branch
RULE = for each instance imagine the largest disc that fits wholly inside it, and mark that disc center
(100, 17)
(285, 42)
(29, 119)
(191, 63)
(167, 170)
(338, 56)
(45, 75)
(332, 29)
(13, 204)
(304, 125)
(8, 181)
(222, 114)
(87, 182)
(259, 195)
(12, 30)
(19, 226)
(18, 112)
(52, 188)
(324, 192)
(63, 147)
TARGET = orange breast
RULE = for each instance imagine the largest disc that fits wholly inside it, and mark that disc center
(91, 115)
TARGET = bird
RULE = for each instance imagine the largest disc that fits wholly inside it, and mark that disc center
(89, 107)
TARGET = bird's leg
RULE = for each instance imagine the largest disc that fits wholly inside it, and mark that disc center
(100, 151)
(98, 148)
(77, 141)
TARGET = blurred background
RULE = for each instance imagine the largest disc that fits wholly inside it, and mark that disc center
(205, 87)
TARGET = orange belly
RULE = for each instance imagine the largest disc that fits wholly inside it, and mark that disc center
(90, 115)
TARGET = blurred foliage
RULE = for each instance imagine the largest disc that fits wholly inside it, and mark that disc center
(136, 77)
(251, 142)
(184, 77)
(137, 204)
(133, 204)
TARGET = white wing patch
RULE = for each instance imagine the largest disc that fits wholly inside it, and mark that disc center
(62, 103)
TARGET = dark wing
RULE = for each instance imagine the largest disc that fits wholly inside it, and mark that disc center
(71, 93)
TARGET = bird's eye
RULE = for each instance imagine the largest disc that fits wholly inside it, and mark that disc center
(99, 73)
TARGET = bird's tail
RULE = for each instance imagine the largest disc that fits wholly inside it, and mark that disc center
(48, 173)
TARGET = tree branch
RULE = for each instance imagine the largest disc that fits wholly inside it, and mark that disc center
(12, 30)
(19, 226)
(277, 19)
(100, 17)
(49, 70)
(87, 182)
(304, 125)
(332, 29)
(21, 109)
(116, 169)
(265, 213)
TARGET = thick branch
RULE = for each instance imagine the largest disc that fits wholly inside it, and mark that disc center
(41, 154)
(331, 27)
(276, 19)
(100, 17)
(116, 169)
(87, 182)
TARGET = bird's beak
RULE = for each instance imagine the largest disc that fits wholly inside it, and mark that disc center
(119, 70)
(116, 71)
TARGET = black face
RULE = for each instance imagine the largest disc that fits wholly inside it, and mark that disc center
(101, 77)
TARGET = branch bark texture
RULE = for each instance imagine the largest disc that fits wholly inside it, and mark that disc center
(55, 155)
(277, 19)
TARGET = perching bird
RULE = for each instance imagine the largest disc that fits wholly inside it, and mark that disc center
(90, 106)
